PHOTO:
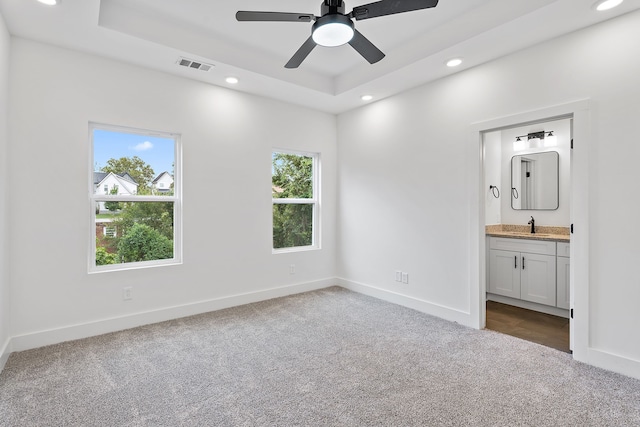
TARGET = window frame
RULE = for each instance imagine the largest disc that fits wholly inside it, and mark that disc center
(95, 199)
(315, 201)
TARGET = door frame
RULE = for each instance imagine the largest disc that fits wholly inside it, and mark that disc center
(579, 112)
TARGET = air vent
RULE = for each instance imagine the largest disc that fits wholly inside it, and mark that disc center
(196, 65)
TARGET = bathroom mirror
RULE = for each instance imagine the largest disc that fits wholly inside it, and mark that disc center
(534, 181)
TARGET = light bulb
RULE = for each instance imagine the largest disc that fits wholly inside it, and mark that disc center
(518, 145)
(551, 140)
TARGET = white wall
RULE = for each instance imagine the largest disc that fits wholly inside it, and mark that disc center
(404, 204)
(557, 217)
(5, 303)
(227, 138)
(493, 176)
(498, 152)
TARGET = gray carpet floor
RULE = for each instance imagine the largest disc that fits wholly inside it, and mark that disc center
(325, 358)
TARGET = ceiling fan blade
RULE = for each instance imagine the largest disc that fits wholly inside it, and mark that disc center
(301, 54)
(390, 7)
(274, 16)
(365, 48)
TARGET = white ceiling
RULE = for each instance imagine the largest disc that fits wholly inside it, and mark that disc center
(155, 33)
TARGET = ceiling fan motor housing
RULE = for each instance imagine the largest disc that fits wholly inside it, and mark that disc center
(332, 6)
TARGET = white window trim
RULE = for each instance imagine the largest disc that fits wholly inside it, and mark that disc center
(315, 235)
(95, 199)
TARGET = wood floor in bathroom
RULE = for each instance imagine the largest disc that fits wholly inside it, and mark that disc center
(541, 328)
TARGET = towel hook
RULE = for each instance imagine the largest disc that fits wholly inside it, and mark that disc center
(494, 189)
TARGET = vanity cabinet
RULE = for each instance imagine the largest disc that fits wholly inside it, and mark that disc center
(523, 269)
(562, 294)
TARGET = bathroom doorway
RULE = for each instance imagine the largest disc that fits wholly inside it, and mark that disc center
(527, 222)
(580, 112)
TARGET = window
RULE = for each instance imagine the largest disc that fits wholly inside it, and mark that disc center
(294, 190)
(110, 231)
(139, 227)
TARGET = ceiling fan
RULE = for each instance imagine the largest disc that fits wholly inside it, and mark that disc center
(335, 28)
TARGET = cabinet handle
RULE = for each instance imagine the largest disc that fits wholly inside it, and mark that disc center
(523, 263)
(515, 261)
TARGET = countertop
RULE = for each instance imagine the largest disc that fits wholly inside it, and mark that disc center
(557, 234)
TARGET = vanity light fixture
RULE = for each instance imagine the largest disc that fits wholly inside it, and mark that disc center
(50, 2)
(550, 140)
(534, 139)
(518, 144)
(603, 5)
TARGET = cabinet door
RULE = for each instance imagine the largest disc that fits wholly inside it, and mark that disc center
(562, 295)
(504, 273)
(538, 278)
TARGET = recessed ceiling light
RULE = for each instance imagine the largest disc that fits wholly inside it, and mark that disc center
(454, 62)
(231, 80)
(366, 97)
(50, 2)
(606, 4)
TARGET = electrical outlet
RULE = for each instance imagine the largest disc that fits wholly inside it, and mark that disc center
(398, 276)
(127, 293)
(292, 269)
(405, 278)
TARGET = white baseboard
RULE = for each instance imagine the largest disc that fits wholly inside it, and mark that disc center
(74, 332)
(5, 351)
(614, 363)
(555, 311)
(423, 306)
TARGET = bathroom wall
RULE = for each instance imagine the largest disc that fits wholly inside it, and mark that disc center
(557, 217)
(493, 176)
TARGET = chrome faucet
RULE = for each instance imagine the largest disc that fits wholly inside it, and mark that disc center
(533, 225)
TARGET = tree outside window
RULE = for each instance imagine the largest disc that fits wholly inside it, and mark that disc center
(293, 189)
(134, 225)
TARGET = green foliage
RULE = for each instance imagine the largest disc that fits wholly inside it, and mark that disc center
(143, 243)
(141, 172)
(157, 215)
(292, 225)
(145, 229)
(113, 206)
(103, 257)
(292, 178)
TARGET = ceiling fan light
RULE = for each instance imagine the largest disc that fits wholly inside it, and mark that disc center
(332, 30)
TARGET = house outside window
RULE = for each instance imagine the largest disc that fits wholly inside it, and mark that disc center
(134, 226)
(294, 191)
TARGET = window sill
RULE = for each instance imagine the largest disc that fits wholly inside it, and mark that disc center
(133, 266)
(295, 249)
